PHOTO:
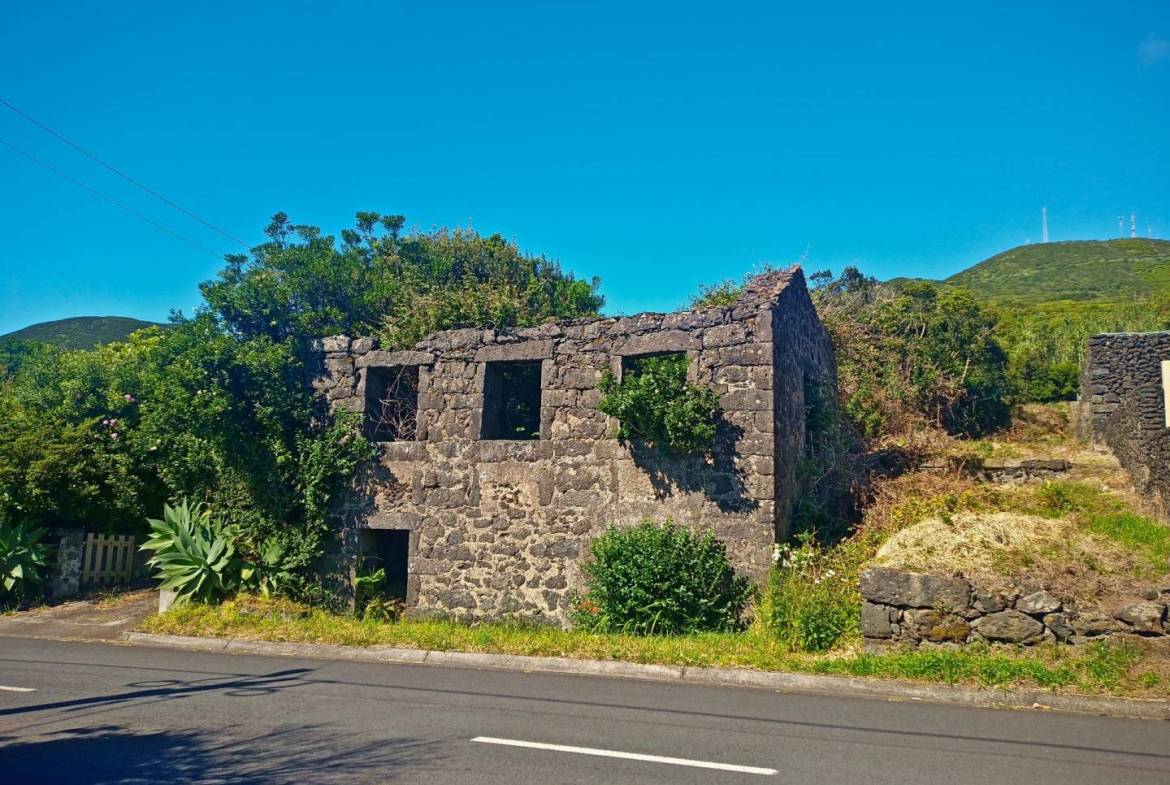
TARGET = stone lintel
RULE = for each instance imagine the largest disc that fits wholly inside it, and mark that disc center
(654, 343)
(524, 350)
(379, 359)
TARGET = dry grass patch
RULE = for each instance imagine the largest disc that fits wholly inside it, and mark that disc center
(1001, 548)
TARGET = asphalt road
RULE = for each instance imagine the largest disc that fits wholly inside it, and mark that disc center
(102, 713)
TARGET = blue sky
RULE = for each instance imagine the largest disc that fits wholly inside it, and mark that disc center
(658, 146)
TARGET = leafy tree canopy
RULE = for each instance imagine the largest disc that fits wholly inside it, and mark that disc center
(378, 281)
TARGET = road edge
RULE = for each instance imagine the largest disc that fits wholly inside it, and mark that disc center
(840, 686)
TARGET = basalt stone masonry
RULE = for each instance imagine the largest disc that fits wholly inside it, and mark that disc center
(908, 608)
(497, 526)
(1123, 406)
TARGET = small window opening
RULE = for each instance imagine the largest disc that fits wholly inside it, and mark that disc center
(511, 400)
(392, 403)
(388, 549)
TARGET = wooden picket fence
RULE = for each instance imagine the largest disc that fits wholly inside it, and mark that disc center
(108, 559)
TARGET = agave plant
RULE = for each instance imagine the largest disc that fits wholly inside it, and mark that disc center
(22, 557)
(194, 554)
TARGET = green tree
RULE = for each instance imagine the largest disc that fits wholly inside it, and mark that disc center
(377, 281)
(216, 406)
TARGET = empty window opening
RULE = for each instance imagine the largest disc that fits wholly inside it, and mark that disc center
(388, 549)
(392, 403)
(671, 363)
(511, 400)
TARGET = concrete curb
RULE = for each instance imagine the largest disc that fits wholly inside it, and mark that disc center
(840, 686)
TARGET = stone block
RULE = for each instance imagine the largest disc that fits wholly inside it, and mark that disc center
(1038, 603)
(335, 343)
(876, 620)
(991, 602)
(936, 626)
(1142, 616)
(915, 590)
(1060, 626)
(1009, 626)
(382, 359)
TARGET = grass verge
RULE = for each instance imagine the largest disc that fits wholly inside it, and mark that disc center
(1106, 668)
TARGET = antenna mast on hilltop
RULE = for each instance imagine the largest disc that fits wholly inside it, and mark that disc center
(1132, 225)
(1043, 224)
(1121, 226)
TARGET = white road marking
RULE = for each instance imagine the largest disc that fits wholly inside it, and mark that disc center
(698, 764)
(16, 689)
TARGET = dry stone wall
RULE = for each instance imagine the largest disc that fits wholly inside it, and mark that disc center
(900, 607)
(1122, 407)
(498, 527)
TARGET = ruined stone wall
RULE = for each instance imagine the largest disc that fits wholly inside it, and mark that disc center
(498, 526)
(1122, 407)
(805, 376)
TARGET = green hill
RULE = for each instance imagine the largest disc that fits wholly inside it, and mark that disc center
(80, 332)
(1084, 270)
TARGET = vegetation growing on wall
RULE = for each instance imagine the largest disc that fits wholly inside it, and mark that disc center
(654, 403)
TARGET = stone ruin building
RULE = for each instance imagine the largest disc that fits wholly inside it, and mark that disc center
(495, 469)
(1125, 406)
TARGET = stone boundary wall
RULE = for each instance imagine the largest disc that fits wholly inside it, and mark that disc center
(917, 608)
(1122, 407)
(498, 527)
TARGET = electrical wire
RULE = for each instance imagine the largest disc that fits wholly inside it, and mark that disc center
(109, 199)
(122, 174)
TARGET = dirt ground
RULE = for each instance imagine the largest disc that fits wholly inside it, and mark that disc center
(97, 616)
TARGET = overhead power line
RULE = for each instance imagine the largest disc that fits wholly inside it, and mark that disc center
(109, 199)
(123, 175)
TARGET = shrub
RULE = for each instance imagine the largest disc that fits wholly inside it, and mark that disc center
(809, 605)
(22, 558)
(653, 402)
(660, 579)
(911, 354)
(269, 574)
(370, 599)
(383, 609)
(368, 582)
(194, 554)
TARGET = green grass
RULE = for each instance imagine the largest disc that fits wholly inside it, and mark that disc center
(1101, 668)
(1144, 536)
(80, 332)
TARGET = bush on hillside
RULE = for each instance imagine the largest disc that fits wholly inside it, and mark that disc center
(660, 579)
(912, 355)
(908, 355)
